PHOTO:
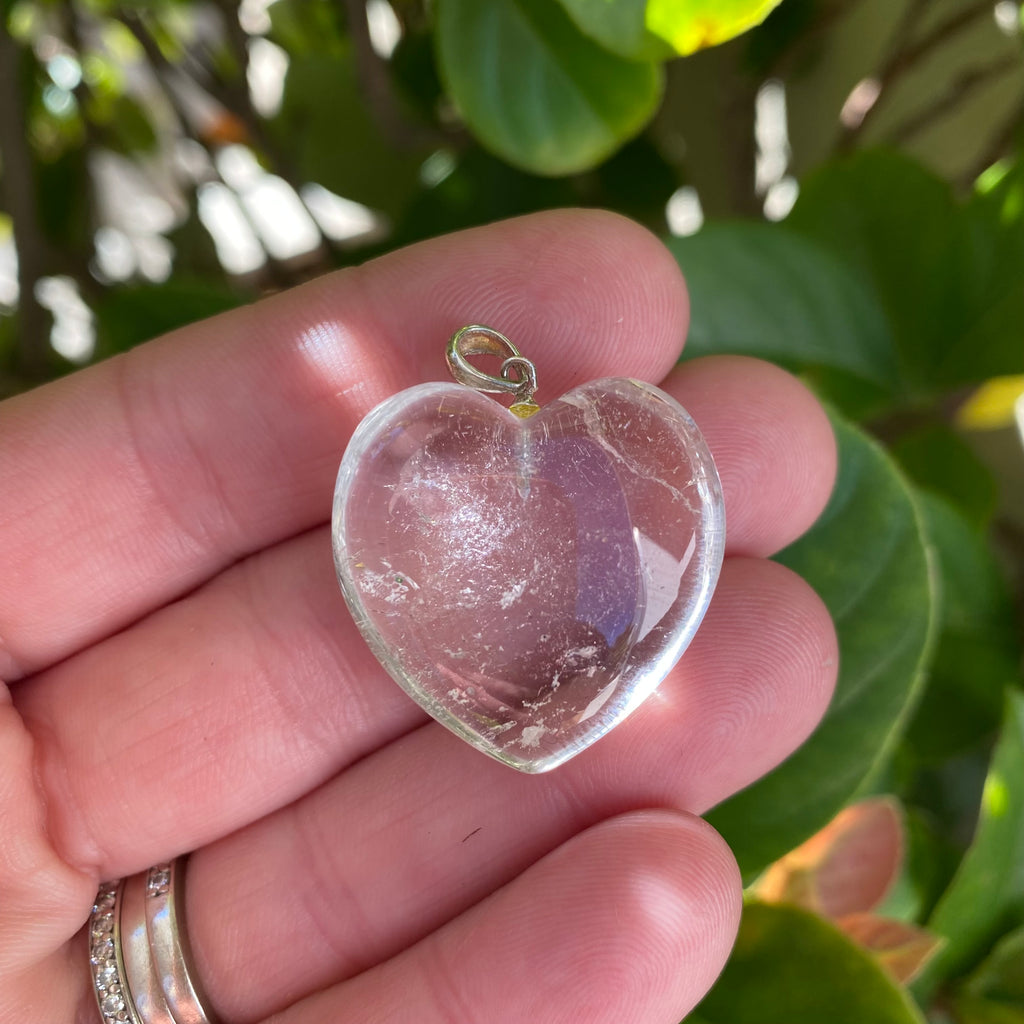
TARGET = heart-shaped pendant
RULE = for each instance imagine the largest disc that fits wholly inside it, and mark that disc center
(528, 577)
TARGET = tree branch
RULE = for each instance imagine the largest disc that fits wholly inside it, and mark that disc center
(958, 90)
(234, 96)
(376, 85)
(788, 61)
(1001, 144)
(34, 355)
(280, 272)
(931, 41)
(904, 53)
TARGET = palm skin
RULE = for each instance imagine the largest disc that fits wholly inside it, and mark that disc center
(182, 674)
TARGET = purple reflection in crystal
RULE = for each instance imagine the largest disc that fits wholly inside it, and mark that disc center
(607, 568)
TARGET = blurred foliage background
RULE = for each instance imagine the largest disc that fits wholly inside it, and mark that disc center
(843, 185)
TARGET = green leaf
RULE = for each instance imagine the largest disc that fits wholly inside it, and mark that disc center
(761, 290)
(971, 1010)
(534, 90)
(938, 458)
(131, 126)
(479, 189)
(987, 892)
(691, 25)
(413, 67)
(954, 302)
(335, 140)
(614, 185)
(867, 559)
(619, 26)
(132, 314)
(978, 652)
(896, 224)
(991, 266)
(930, 860)
(1001, 977)
(63, 189)
(790, 966)
(306, 28)
(774, 42)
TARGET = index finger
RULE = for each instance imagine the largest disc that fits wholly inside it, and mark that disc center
(129, 484)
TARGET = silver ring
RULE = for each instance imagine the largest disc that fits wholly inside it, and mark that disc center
(139, 954)
(106, 966)
(168, 944)
(143, 983)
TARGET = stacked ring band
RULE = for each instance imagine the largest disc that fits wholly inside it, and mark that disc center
(138, 951)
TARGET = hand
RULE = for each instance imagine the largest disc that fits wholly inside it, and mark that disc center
(184, 676)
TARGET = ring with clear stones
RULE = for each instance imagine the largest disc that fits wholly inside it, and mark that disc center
(138, 951)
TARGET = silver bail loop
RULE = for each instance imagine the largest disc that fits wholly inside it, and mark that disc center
(518, 374)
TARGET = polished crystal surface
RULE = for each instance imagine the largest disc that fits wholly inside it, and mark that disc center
(528, 582)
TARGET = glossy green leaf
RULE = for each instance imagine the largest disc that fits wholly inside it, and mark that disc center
(991, 267)
(867, 558)
(987, 891)
(978, 652)
(895, 224)
(937, 458)
(534, 89)
(790, 966)
(619, 26)
(691, 25)
(761, 290)
(955, 303)
(659, 29)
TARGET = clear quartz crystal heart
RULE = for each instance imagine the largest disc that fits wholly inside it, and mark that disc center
(528, 581)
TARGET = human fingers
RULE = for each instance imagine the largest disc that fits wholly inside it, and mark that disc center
(145, 475)
(284, 685)
(416, 833)
(628, 923)
(209, 713)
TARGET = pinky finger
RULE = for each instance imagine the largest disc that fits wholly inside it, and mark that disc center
(629, 922)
